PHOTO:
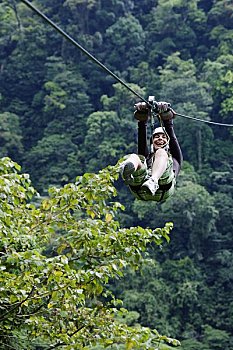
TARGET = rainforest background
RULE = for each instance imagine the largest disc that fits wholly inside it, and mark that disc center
(61, 116)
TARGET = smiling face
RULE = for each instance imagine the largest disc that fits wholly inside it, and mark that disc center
(159, 140)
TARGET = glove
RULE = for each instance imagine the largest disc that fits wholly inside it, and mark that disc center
(141, 106)
(141, 112)
(165, 111)
(168, 115)
(162, 107)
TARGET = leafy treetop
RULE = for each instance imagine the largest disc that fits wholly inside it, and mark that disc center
(62, 296)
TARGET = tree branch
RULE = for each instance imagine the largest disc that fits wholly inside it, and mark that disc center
(17, 305)
(62, 343)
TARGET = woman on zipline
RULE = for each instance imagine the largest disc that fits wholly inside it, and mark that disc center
(151, 174)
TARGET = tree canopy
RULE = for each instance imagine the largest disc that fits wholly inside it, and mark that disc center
(57, 257)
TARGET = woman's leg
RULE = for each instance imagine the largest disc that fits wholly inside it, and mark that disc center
(159, 164)
(129, 166)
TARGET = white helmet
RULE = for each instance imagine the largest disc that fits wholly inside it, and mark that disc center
(159, 130)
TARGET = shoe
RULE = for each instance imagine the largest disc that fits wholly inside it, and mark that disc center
(151, 185)
(127, 169)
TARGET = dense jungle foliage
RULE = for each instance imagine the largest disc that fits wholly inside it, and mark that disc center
(62, 116)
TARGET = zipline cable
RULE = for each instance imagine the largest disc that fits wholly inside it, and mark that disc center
(80, 47)
(202, 120)
(68, 37)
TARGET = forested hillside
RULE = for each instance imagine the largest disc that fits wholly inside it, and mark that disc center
(62, 116)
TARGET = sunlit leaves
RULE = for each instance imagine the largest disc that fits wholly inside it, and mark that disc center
(62, 296)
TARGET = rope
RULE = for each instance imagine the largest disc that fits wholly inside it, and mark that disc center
(80, 47)
(164, 130)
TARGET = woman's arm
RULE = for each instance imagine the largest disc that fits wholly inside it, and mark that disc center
(174, 146)
(142, 139)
